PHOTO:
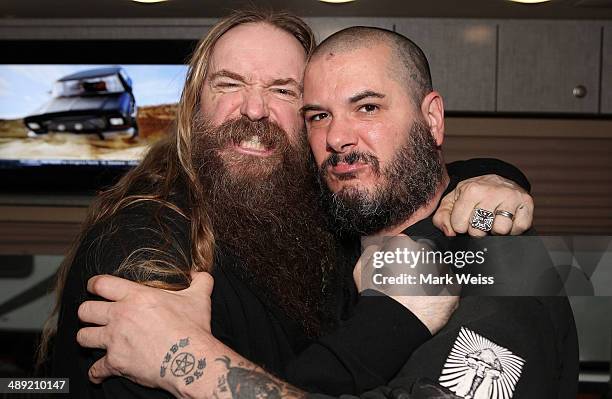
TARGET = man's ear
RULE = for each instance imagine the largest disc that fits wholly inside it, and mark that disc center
(432, 109)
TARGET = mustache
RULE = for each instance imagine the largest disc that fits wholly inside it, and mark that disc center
(234, 131)
(350, 158)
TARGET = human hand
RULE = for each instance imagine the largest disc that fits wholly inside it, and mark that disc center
(140, 325)
(432, 301)
(489, 192)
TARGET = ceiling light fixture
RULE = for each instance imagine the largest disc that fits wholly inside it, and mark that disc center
(336, 1)
(149, 1)
(530, 1)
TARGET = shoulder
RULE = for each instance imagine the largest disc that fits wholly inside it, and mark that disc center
(141, 232)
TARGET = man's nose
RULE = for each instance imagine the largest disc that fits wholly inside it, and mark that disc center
(341, 137)
(254, 105)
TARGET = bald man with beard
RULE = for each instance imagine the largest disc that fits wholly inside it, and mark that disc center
(376, 128)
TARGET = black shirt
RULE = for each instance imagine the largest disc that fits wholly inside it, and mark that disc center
(496, 346)
(532, 338)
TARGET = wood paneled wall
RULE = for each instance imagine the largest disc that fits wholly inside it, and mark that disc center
(569, 164)
(32, 230)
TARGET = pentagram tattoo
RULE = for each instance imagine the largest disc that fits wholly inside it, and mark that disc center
(182, 365)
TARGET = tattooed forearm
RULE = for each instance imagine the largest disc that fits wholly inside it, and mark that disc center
(246, 381)
(181, 363)
(229, 377)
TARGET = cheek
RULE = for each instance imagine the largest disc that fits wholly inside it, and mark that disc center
(287, 116)
(384, 140)
(318, 144)
(218, 108)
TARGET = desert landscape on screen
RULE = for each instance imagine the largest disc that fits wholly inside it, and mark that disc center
(154, 122)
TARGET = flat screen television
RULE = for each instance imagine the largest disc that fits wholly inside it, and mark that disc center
(76, 115)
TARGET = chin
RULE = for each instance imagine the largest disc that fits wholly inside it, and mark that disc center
(252, 167)
(350, 189)
(354, 183)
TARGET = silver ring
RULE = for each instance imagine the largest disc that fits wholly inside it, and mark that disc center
(505, 214)
(482, 219)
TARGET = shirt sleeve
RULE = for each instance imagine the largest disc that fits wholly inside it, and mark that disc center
(366, 350)
(462, 170)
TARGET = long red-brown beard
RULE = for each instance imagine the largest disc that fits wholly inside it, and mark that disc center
(265, 210)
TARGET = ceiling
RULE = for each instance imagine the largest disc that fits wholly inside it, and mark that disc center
(555, 9)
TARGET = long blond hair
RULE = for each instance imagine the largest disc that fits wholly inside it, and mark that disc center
(168, 164)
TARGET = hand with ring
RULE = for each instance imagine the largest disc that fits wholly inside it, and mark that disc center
(483, 205)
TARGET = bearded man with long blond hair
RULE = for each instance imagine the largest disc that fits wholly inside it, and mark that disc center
(232, 192)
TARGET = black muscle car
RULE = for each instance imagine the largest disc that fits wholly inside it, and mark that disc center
(96, 101)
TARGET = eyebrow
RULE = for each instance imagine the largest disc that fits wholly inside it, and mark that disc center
(287, 81)
(224, 73)
(365, 94)
(282, 82)
(311, 107)
(353, 99)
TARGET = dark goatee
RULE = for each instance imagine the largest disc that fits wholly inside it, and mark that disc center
(408, 183)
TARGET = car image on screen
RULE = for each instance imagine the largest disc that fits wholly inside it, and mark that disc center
(94, 101)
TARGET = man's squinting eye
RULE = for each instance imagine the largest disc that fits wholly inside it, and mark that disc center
(285, 92)
(226, 85)
(316, 117)
(368, 108)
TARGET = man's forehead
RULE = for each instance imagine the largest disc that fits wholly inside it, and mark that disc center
(376, 53)
(276, 60)
(260, 38)
(362, 61)
(344, 84)
(348, 73)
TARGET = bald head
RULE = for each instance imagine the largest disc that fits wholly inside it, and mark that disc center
(408, 66)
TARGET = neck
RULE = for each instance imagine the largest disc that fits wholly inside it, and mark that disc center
(423, 212)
